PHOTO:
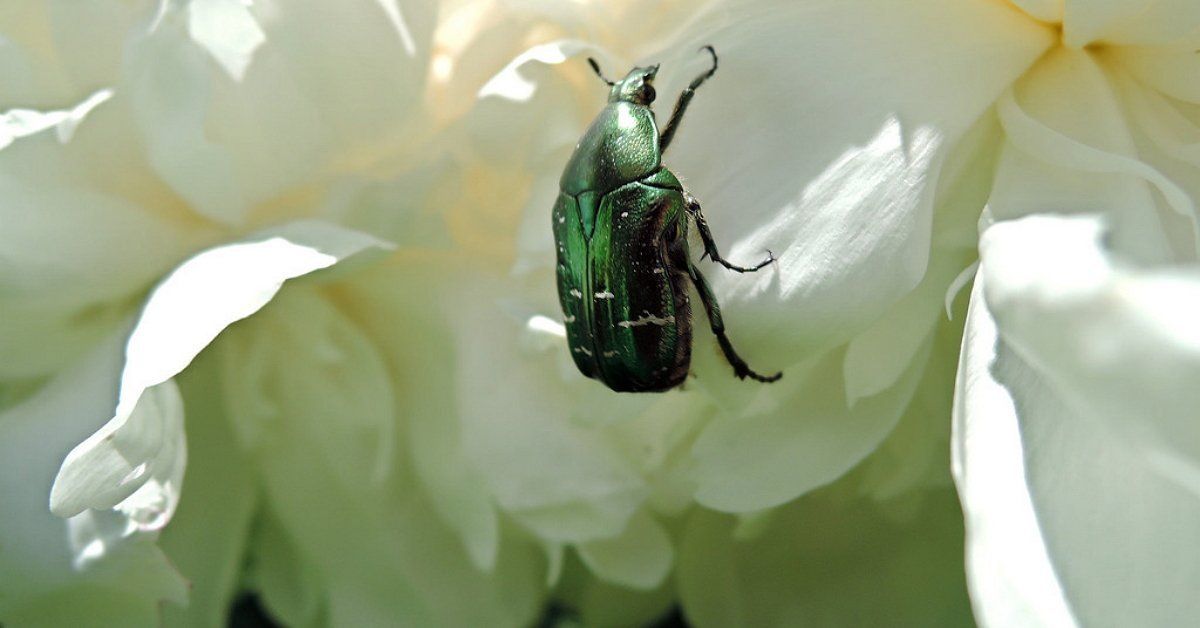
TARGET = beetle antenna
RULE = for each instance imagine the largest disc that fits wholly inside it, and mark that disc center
(596, 68)
(714, 56)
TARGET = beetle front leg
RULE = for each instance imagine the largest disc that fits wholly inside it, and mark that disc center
(740, 368)
(710, 245)
(685, 98)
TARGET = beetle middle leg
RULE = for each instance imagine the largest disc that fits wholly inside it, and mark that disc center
(710, 245)
(740, 368)
(685, 98)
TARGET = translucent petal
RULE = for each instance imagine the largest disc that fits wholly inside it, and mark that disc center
(879, 356)
(183, 314)
(846, 202)
(916, 454)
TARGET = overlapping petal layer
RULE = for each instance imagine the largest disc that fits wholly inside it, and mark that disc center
(1076, 439)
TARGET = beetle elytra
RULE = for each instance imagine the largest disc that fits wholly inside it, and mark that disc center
(620, 226)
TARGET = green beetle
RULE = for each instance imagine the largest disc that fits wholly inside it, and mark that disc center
(620, 225)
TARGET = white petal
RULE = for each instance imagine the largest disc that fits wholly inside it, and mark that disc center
(1119, 344)
(508, 84)
(55, 50)
(880, 362)
(228, 31)
(118, 573)
(57, 304)
(640, 557)
(1169, 141)
(1119, 537)
(426, 397)
(16, 123)
(452, 478)
(561, 478)
(303, 91)
(1011, 578)
(135, 466)
(182, 316)
(1079, 156)
(1168, 70)
(166, 77)
(879, 356)
(803, 144)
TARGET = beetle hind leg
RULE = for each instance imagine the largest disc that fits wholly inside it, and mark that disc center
(710, 245)
(740, 368)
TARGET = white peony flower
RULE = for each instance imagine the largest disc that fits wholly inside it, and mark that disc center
(396, 426)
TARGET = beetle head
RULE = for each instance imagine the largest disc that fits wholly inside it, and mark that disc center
(636, 87)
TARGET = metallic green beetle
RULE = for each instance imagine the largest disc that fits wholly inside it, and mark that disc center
(620, 224)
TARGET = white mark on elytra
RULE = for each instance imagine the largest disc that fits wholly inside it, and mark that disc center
(609, 354)
(569, 319)
(562, 219)
(605, 295)
(576, 293)
(624, 214)
(658, 271)
(647, 319)
(583, 351)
